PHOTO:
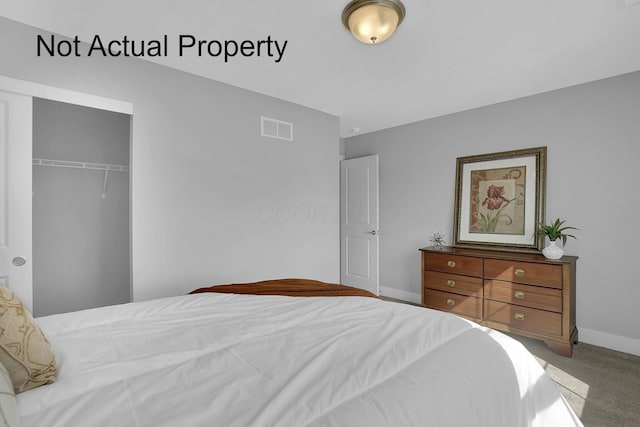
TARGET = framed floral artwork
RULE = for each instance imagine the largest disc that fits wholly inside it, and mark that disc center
(500, 200)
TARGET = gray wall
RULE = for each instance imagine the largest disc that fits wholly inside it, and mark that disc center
(80, 240)
(212, 200)
(592, 132)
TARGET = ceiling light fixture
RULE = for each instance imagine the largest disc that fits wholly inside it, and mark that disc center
(373, 21)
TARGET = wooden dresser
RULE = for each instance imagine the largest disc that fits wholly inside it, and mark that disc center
(522, 293)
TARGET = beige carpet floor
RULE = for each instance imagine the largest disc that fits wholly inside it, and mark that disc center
(601, 385)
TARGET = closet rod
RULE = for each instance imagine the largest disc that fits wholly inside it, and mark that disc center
(80, 165)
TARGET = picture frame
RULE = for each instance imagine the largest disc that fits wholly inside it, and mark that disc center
(500, 200)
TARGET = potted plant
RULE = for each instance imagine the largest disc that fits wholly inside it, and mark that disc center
(554, 231)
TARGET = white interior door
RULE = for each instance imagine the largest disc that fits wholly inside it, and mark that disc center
(359, 223)
(15, 195)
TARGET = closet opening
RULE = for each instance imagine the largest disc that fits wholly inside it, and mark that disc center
(81, 207)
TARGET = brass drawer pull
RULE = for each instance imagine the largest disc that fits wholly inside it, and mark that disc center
(451, 264)
(451, 302)
(518, 316)
(451, 283)
(519, 272)
(518, 294)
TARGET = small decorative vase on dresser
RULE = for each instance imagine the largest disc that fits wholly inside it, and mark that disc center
(522, 293)
(553, 251)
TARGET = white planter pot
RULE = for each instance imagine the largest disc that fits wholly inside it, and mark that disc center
(553, 251)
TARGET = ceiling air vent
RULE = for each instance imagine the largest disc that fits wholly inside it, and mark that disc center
(278, 129)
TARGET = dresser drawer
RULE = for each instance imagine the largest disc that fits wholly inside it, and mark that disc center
(466, 265)
(529, 296)
(523, 317)
(458, 284)
(524, 272)
(454, 303)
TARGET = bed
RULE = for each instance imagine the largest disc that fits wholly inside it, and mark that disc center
(230, 359)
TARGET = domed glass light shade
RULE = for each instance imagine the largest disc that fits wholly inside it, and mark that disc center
(373, 21)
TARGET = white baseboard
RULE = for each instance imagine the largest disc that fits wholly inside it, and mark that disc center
(401, 295)
(613, 342)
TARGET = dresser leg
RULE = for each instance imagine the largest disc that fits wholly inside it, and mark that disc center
(564, 348)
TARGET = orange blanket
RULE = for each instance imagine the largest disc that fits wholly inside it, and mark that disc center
(289, 287)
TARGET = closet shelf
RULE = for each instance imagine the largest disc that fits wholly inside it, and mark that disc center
(80, 165)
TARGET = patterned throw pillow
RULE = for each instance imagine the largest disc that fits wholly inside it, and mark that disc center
(24, 351)
(9, 415)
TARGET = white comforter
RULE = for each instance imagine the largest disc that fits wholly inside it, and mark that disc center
(244, 360)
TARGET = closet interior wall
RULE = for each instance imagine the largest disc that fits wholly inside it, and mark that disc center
(81, 249)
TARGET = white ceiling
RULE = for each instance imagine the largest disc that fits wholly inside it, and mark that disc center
(447, 56)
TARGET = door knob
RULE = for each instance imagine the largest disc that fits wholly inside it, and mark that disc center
(373, 232)
(19, 261)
